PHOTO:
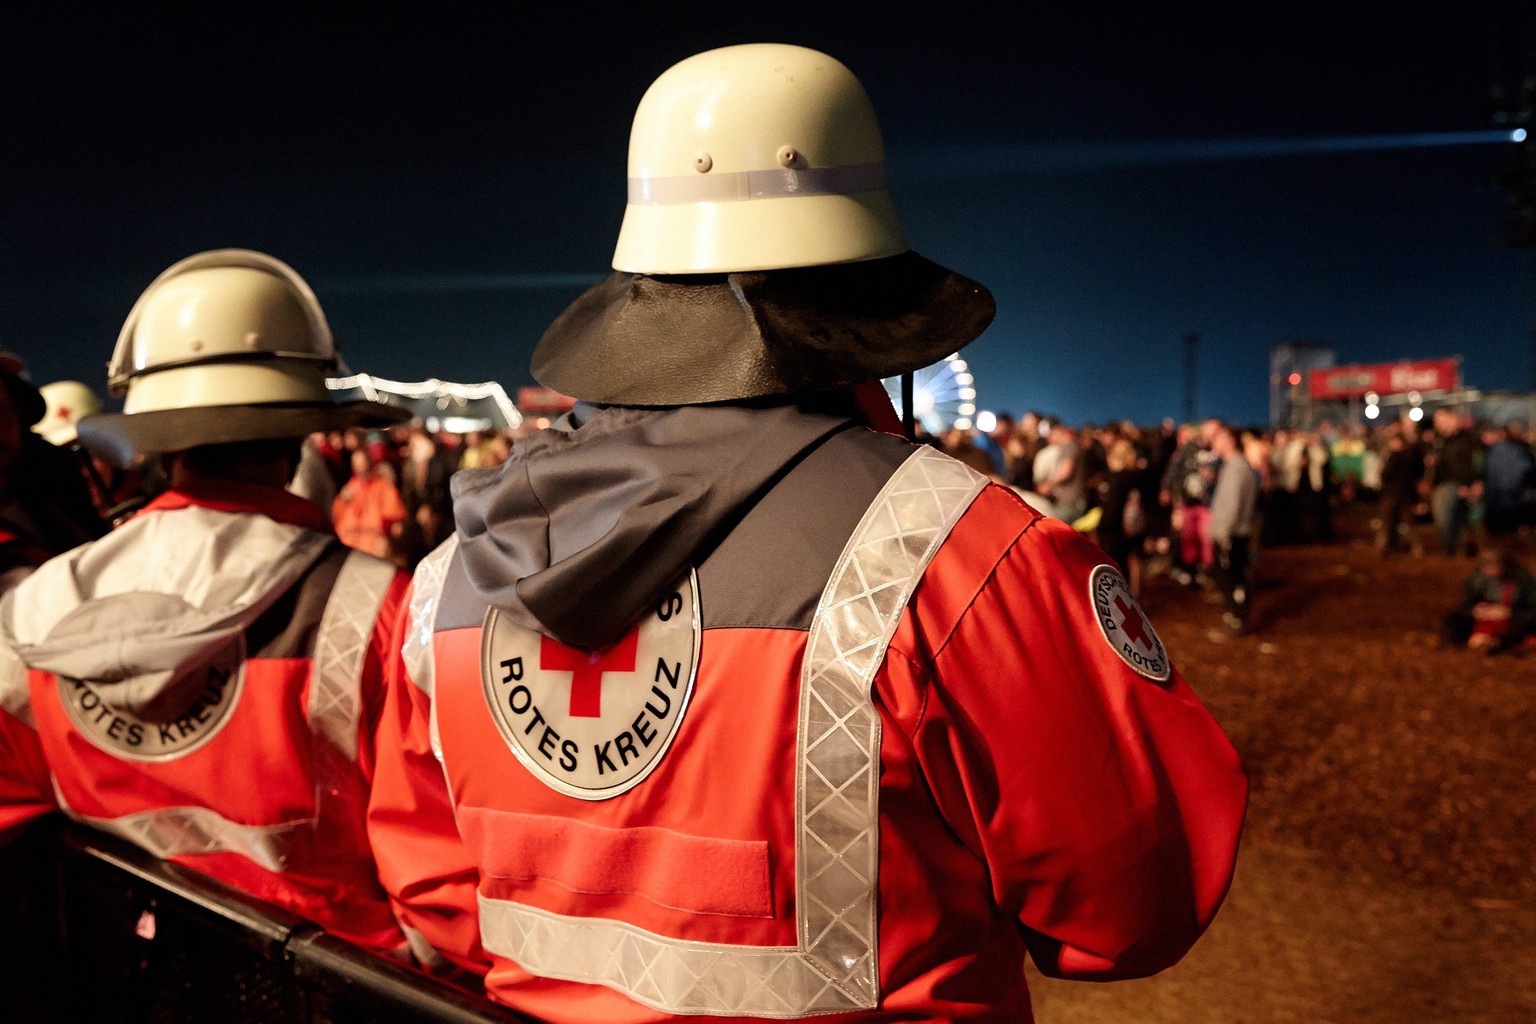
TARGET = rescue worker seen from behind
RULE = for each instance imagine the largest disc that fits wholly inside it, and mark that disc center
(204, 680)
(747, 708)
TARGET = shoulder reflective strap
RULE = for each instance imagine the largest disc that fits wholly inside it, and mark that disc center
(426, 591)
(341, 647)
(834, 966)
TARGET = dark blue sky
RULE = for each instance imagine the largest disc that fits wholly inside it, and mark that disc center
(447, 181)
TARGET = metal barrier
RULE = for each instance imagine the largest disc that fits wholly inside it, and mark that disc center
(98, 930)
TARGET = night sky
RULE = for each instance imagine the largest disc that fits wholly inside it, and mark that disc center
(1119, 175)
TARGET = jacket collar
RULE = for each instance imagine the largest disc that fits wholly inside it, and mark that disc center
(240, 496)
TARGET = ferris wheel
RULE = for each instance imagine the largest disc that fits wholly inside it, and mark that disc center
(943, 395)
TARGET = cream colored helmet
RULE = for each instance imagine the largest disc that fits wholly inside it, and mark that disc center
(760, 254)
(227, 327)
(67, 402)
(755, 157)
(227, 345)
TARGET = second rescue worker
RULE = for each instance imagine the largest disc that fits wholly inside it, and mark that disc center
(747, 709)
(204, 680)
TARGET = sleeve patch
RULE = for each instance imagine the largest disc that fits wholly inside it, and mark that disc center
(1125, 626)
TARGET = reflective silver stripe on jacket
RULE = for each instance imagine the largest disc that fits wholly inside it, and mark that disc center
(190, 831)
(416, 649)
(426, 591)
(341, 648)
(834, 967)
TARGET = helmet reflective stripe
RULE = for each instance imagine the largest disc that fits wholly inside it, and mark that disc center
(782, 124)
(742, 185)
(225, 327)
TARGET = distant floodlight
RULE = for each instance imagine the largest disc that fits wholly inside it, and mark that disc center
(1518, 135)
(1372, 398)
(1416, 413)
(1294, 379)
(986, 421)
(1372, 411)
(962, 424)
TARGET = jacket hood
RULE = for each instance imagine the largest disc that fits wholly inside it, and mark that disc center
(143, 613)
(579, 531)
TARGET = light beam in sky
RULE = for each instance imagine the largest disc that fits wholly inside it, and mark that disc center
(372, 284)
(1066, 156)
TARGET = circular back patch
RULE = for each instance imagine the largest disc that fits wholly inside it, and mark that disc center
(1125, 626)
(593, 724)
(161, 737)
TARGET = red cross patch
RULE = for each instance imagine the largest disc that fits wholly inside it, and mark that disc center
(593, 724)
(1125, 625)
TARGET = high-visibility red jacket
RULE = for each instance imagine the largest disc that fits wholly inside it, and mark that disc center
(205, 682)
(887, 731)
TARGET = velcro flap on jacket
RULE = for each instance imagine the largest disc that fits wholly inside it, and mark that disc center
(695, 874)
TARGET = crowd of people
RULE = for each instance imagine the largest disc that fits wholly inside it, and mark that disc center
(1194, 502)
(1197, 501)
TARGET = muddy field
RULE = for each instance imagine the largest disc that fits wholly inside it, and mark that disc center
(1388, 871)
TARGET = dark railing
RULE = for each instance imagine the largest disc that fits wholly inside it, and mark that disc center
(94, 929)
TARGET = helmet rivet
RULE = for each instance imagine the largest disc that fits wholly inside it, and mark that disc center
(252, 340)
(788, 155)
(702, 162)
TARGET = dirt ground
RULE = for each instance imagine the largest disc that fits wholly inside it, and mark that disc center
(1388, 869)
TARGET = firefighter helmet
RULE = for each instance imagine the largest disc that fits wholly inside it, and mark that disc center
(755, 157)
(67, 401)
(760, 253)
(227, 345)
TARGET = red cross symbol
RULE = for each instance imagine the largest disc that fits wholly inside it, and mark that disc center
(1133, 625)
(587, 668)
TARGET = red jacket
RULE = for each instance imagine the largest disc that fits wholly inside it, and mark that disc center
(866, 797)
(205, 682)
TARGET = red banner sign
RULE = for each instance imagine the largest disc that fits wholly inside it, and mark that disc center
(542, 400)
(1384, 378)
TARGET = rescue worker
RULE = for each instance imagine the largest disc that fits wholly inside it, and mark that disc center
(65, 402)
(117, 492)
(203, 681)
(749, 710)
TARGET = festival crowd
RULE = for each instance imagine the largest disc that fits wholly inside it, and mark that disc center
(1196, 501)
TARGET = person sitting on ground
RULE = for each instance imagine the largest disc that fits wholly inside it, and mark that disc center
(1498, 607)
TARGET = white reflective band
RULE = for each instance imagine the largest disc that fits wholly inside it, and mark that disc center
(668, 974)
(426, 592)
(195, 831)
(341, 647)
(416, 649)
(834, 968)
(736, 186)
